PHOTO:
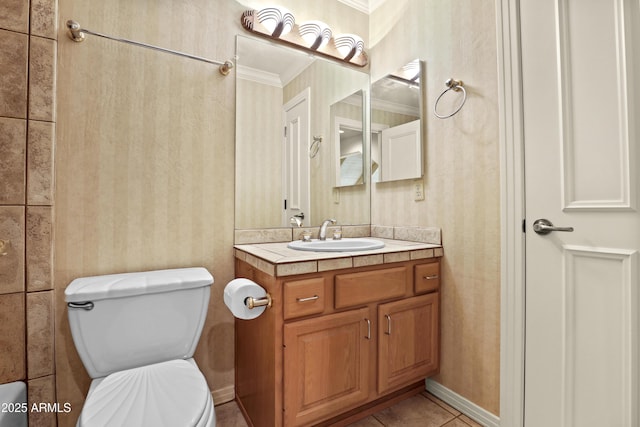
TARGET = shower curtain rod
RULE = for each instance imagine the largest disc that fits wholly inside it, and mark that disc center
(77, 34)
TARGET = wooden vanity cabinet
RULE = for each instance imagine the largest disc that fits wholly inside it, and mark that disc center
(326, 366)
(336, 342)
(408, 340)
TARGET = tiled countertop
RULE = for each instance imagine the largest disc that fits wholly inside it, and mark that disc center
(279, 260)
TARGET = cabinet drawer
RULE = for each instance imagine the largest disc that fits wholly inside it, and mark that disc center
(369, 286)
(303, 297)
(427, 278)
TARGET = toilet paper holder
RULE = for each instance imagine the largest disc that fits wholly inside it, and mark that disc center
(252, 302)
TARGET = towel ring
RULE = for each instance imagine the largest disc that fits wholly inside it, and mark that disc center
(456, 86)
(315, 146)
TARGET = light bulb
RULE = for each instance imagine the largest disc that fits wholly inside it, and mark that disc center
(277, 20)
(315, 33)
(349, 46)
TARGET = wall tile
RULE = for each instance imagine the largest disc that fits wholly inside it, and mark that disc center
(40, 357)
(12, 226)
(39, 248)
(396, 257)
(382, 232)
(366, 260)
(44, 18)
(356, 231)
(42, 79)
(268, 235)
(40, 163)
(14, 54)
(294, 268)
(13, 141)
(422, 254)
(14, 15)
(334, 264)
(12, 327)
(42, 390)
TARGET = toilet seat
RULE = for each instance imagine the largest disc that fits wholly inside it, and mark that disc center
(173, 393)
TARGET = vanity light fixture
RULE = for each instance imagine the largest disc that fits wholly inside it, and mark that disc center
(278, 24)
(408, 75)
(316, 33)
(410, 71)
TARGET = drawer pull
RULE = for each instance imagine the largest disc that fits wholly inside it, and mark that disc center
(432, 277)
(313, 298)
(388, 324)
(368, 329)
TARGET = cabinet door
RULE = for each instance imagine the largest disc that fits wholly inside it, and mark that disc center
(326, 366)
(408, 341)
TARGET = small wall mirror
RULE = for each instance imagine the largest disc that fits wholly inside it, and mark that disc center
(347, 119)
(396, 125)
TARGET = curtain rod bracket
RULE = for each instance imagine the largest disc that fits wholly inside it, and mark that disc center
(75, 31)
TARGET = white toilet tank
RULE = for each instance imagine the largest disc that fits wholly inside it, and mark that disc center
(123, 321)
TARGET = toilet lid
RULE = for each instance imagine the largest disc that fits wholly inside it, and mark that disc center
(170, 394)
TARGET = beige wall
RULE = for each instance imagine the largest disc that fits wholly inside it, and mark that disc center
(145, 161)
(27, 126)
(456, 39)
(258, 155)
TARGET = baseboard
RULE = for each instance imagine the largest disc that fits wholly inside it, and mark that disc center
(223, 395)
(462, 404)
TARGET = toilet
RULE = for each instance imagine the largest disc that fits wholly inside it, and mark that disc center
(136, 334)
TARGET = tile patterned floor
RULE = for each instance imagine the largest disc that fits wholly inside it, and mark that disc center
(421, 410)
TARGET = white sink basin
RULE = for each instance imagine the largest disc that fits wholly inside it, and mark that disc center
(342, 245)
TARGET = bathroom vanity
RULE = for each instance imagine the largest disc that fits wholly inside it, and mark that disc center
(346, 335)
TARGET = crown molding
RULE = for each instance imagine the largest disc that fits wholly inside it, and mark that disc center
(258, 76)
(366, 6)
(361, 5)
(394, 107)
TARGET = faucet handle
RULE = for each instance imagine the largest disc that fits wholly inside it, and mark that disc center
(296, 220)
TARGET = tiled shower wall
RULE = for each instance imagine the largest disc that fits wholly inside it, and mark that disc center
(28, 42)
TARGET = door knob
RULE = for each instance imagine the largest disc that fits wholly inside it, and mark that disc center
(544, 226)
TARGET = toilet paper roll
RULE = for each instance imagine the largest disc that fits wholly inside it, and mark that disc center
(237, 291)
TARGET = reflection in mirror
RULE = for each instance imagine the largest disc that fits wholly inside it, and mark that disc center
(348, 140)
(396, 128)
(283, 104)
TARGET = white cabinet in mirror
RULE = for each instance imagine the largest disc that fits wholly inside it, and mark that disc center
(396, 124)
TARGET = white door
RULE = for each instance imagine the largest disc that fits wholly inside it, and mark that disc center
(581, 63)
(400, 152)
(296, 179)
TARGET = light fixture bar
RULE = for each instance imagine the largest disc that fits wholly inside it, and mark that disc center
(355, 56)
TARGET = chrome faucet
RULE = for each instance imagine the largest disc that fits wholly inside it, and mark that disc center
(323, 228)
(297, 219)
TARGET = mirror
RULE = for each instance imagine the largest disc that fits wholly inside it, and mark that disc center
(285, 161)
(347, 123)
(396, 128)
